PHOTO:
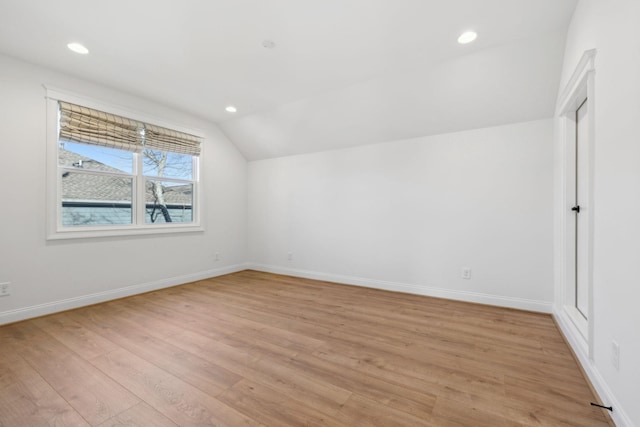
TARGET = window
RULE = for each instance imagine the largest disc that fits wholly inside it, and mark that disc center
(116, 175)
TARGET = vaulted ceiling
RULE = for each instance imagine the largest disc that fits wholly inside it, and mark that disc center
(335, 73)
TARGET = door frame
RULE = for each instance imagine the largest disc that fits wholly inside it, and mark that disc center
(580, 86)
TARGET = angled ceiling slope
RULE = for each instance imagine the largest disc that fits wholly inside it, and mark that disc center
(342, 72)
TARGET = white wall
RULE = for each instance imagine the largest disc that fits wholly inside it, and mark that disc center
(48, 276)
(611, 28)
(409, 215)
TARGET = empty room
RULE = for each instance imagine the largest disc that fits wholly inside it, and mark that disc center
(319, 213)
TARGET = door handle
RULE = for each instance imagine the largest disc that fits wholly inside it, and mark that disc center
(576, 209)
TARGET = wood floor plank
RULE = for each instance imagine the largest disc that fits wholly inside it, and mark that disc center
(198, 319)
(450, 413)
(480, 355)
(182, 403)
(208, 377)
(90, 392)
(320, 395)
(141, 415)
(362, 412)
(427, 376)
(559, 402)
(393, 395)
(27, 399)
(82, 341)
(274, 408)
(254, 348)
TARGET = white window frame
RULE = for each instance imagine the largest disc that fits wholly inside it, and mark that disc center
(55, 229)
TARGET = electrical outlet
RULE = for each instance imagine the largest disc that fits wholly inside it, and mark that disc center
(217, 256)
(290, 256)
(5, 289)
(615, 354)
(466, 273)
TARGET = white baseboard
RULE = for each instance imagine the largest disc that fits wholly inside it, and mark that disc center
(17, 315)
(518, 303)
(619, 416)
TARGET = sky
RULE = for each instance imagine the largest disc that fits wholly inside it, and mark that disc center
(178, 165)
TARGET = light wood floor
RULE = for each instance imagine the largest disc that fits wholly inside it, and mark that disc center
(259, 349)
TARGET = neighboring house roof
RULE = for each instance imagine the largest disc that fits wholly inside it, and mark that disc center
(176, 195)
(83, 187)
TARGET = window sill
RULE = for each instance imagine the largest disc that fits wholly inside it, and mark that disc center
(90, 232)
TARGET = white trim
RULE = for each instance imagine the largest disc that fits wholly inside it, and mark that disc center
(580, 325)
(129, 230)
(53, 208)
(574, 91)
(619, 416)
(85, 300)
(581, 85)
(475, 297)
(137, 214)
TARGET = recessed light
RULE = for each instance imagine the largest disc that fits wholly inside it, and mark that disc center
(231, 109)
(78, 48)
(467, 37)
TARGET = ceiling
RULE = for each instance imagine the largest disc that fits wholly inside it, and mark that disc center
(342, 72)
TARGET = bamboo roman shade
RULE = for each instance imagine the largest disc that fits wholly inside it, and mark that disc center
(159, 138)
(89, 126)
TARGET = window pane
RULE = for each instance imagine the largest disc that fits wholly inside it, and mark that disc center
(168, 202)
(93, 157)
(168, 165)
(95, 199)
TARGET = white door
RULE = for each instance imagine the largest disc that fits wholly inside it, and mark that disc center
(580, 209)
